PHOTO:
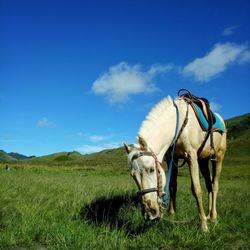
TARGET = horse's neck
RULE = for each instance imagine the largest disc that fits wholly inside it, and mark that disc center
(160, 138)
(165, 139)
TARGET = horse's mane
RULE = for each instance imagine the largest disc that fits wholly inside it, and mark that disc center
(152, 121)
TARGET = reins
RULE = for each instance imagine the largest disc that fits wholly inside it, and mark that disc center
(176, 136)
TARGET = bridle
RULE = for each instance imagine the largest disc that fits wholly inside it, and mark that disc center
(158, 165)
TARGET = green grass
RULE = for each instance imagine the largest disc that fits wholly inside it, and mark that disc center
(83, 208)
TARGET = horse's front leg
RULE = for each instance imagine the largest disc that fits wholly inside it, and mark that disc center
(173, 190)
(196, 188)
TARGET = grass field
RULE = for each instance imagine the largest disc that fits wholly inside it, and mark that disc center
(80, 208)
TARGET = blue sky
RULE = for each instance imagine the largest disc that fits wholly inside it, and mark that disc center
(82, 75)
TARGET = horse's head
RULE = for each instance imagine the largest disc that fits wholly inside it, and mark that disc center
(150, 179)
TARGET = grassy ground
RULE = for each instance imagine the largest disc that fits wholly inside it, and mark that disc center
(77, 208)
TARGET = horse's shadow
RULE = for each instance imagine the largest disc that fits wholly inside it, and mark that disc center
(118, 212)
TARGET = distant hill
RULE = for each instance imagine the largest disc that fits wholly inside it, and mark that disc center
(238, 136)
(18, 156)
(60, 157)
(106, 158)
(9, 157)
(4, 157)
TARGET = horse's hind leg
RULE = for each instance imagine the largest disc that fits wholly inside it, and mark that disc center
(196, 188)
(217, 166)
(204, 168)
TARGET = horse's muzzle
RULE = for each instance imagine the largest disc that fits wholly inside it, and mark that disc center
(150, 211)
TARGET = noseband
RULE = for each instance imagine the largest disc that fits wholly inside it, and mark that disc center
(158, 164)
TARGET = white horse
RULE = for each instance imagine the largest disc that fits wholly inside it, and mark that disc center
(154, 140)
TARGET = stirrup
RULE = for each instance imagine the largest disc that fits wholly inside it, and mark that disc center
(213, 158)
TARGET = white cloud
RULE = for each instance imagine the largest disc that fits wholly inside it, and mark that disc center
(96, 138)
(123, 80)
(216, 61)
(81, 134)
(229, 30)
(215, 106)
(44, 122)
(88, 149)
(92, 138)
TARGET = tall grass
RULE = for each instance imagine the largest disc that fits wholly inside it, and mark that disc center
(60, 208)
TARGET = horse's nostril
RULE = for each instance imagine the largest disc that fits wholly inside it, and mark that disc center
(148, 203)
(153, 211)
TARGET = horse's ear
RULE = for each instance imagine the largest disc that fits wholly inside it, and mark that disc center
(127, 148)
(142, 143)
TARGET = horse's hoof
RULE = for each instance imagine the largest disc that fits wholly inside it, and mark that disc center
(171, 216)
(215, 221)
(205, 229)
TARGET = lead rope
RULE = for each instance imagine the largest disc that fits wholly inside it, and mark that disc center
(172, 155)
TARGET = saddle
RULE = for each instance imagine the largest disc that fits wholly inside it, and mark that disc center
(208, 120)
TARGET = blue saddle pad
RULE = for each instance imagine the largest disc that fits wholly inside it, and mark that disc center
(217, 126)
